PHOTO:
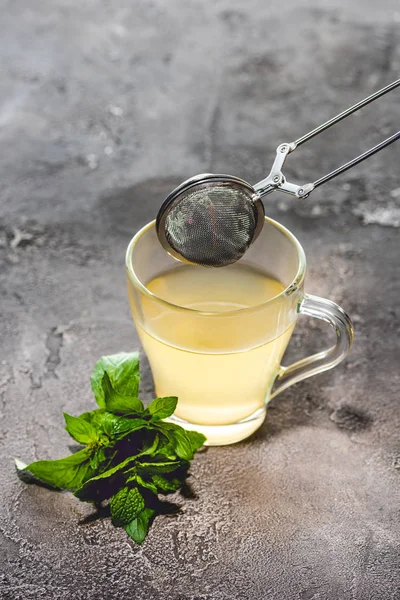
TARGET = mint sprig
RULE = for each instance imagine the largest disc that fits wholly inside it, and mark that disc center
(130, 454)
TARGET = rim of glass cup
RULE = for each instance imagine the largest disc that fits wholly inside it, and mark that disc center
(290, 289)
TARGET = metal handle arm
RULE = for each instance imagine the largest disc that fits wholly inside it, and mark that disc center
(277, 181)
(347, 112)
(356, 160)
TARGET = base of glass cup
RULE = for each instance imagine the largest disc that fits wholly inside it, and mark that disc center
(223, 435)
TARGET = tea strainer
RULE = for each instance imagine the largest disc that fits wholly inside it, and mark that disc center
(211, 220)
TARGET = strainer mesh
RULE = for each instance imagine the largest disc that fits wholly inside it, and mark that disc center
(212, 224)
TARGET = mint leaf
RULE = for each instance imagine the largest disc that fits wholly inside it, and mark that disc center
(97, 458)
(159, 466)
(165, 485)
(161, 408)
(179, 439)
(27, 477)
(150, 446)
(166, 450)
(126, 505)
(196, 439)
(94, 417)
(67, 473)
(123, 370)
(80, 430)
(143, 482)
(138, 527)
(183, 446)
(115, 426)
(117, 403)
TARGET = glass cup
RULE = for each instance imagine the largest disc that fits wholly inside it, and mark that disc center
(225, 366)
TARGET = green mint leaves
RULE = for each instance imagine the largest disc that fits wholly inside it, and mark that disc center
(66, 473)
(130, 454)
(118, 403)
(161, 408)
(126, 505)
(80, 430)
(123, 371)
(137, 529)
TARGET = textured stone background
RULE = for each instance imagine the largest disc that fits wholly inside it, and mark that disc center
(104, 107)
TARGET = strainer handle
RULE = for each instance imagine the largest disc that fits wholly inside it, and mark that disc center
(333, 314)
(347, 112)
(306, 189)
(276, 181)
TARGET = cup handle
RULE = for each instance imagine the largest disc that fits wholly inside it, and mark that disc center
(330, 312)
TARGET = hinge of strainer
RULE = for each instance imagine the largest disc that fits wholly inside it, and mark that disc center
(276, 181)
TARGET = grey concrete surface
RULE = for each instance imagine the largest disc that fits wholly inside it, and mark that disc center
(104, 107)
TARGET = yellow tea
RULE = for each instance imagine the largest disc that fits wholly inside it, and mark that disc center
(218, 376)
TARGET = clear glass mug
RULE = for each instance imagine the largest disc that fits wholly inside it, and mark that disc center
(237, 370)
